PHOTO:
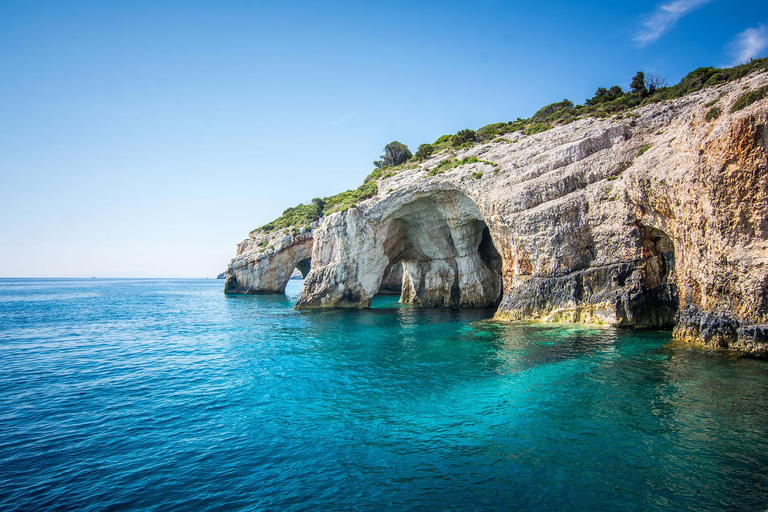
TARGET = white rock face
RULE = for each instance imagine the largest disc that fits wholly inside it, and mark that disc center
(655, 219)
(433, 231)
(264, 264)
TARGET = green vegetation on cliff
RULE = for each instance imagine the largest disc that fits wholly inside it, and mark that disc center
(613, 101)
(305, 214)
(749, 98)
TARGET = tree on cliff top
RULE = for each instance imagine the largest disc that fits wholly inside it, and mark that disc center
(424, 151)
(395, 153)
(638, 84)
(603, 95)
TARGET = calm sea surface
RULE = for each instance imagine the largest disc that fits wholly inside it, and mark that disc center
(169, 395)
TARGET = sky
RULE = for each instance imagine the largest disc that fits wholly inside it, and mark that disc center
(146, 138)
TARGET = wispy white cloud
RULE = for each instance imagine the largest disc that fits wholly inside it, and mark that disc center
(664, 18)
(750, 43)
(341, 120)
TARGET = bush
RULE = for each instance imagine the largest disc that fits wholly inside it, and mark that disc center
(424, 152)
(349, 198)
(644, 149)
(749, 98)
(537, 128)
(306, 214)
(296, 216)
(491, 131)
(705, 77)
(553, 112)
(463, 137)
(450, 163)
(395, 153)
(694, 81)
(713, 113)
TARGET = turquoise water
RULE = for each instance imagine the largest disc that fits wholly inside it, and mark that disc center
(169, 395)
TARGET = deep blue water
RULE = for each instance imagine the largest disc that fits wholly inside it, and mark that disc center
(169, 395)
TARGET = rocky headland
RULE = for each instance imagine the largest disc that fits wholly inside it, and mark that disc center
(655, 217)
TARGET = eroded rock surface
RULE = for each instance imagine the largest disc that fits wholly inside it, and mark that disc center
(655, 219)
(264, 264)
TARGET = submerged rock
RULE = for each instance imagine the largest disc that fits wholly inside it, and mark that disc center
(656, 219)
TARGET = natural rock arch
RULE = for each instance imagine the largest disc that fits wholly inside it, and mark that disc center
(437, 236)
(445, 251)
(271, 270)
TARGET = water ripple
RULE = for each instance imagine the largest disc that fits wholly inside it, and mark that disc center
(167, 395)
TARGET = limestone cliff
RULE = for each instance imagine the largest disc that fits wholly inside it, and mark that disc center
(265, 263)
(657, 218)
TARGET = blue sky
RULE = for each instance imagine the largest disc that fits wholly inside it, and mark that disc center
(146, 138)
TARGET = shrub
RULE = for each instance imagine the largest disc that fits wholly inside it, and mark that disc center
(749, 98)
(603, 95)
(442, 142)
(463, 137)
(296, 216)
(491, 131)
(395, 153)
(477, 175)
(694, 80)
(306, 214)
(713, 113)
(704, 77)
(553, 112)
(644, 149)
(450, 163)
(518, 124)
(424, 152)
(537, 128)
(349, 198)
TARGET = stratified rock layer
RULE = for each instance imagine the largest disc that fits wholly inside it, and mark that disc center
(659, 218)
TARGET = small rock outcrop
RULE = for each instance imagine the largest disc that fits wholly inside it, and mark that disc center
(654, 219)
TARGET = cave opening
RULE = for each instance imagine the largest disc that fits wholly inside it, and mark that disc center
(303, 267)
(441, 254)
(657, 305)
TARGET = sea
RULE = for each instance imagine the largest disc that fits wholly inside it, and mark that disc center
(170, 395)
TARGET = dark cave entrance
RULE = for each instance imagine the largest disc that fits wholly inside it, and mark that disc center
(657, 304)
(303, 267)
(441, 254)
